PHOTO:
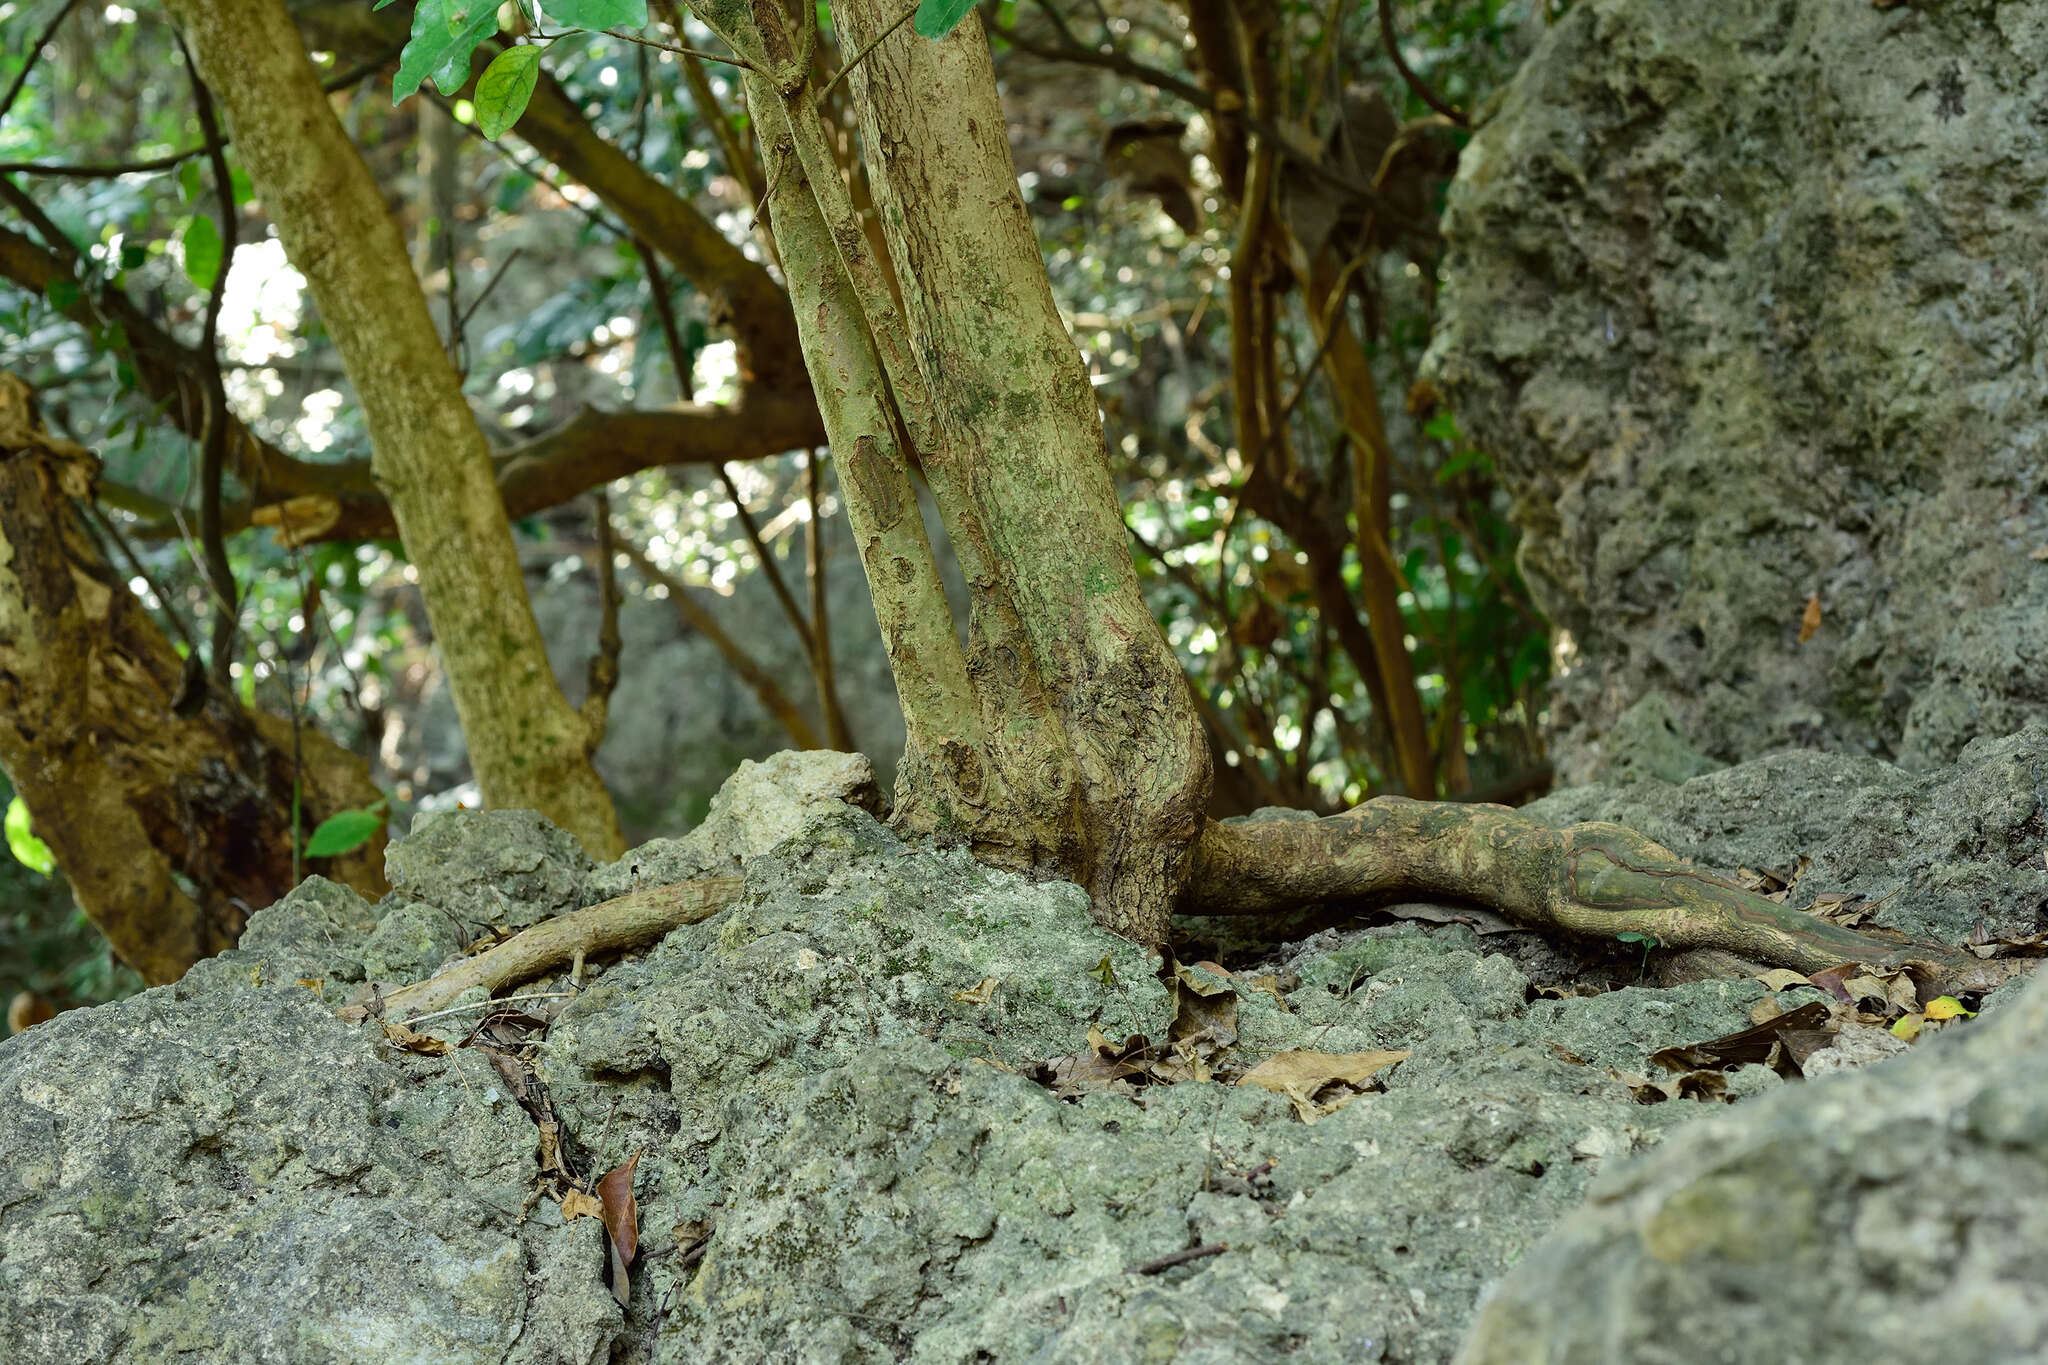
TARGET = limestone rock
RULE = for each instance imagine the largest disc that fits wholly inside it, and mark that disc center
(1897, 1212)
(1745, 300)
(843, 1155)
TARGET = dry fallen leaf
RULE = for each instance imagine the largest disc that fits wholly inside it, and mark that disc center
(1269, 984)
(621, 1222)
(576, 1204)
(426, 1044)
(298, 521)
(1782, 978)
(1202, 1005)
(1809, 620)
(1105, 1066)
(1304, 1076)
(981, 994)
(621, 1210)
(1769, 1043)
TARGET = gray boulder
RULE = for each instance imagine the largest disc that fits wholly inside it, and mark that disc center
(846, 1152)
(1745, 299)
(1898, 1213)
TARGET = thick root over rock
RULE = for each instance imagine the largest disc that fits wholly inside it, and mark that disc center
(1593, 879)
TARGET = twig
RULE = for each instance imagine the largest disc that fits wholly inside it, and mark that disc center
(60, 244)
(485, 1004)
(135, 563)
(213, 445)
(767, 691)
(1416, 85)
(836, 730)
(866, 48)
(511, 158)
(1072, 51)
(159, 164)
(698, 53)
(35, 53)
(665, 313)
(489, 285)
(153, 166)
(1168, 1262)
(1326, 335)
(603, 674)
(629, 921)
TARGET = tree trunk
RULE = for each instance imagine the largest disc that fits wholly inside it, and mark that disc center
(130, 790)
(528, 746)
(1063, 739)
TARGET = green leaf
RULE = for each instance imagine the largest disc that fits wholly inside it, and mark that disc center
(202, 252)
(937, 18)
(238, 181)
(504, 88)
(31, 852)
(188, 181)
(344, 832)
(598, 15)
(132, 256)
(63, 294)
(1631, 936)
(444, 33)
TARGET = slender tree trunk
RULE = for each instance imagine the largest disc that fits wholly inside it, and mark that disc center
(1063, 739)
(133, 779)
(528, 746)
(1357, 394)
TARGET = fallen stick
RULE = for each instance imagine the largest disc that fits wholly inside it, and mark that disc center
(633, 920)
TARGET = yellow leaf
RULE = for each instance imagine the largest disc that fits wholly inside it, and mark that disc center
(981, 994)
(1301, 1075)
(1948, 1007)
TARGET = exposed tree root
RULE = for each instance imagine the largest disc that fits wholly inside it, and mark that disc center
(633, 920)
(1594, 879)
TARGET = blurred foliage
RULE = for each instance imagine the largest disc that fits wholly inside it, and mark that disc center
(47, 945)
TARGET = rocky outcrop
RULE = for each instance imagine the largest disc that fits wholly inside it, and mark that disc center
(1746, 301)
(847, 1150)
(1892, 1213)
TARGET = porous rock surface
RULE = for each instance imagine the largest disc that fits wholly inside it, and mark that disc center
(1746, 301)
(822, 1079)
(1898, 1212)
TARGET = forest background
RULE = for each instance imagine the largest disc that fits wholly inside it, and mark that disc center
(1253, 323)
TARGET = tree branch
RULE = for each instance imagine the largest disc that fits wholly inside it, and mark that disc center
(633, 920)
(213, 443)
(35, 54)
(766, 689)
(1416, 85)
